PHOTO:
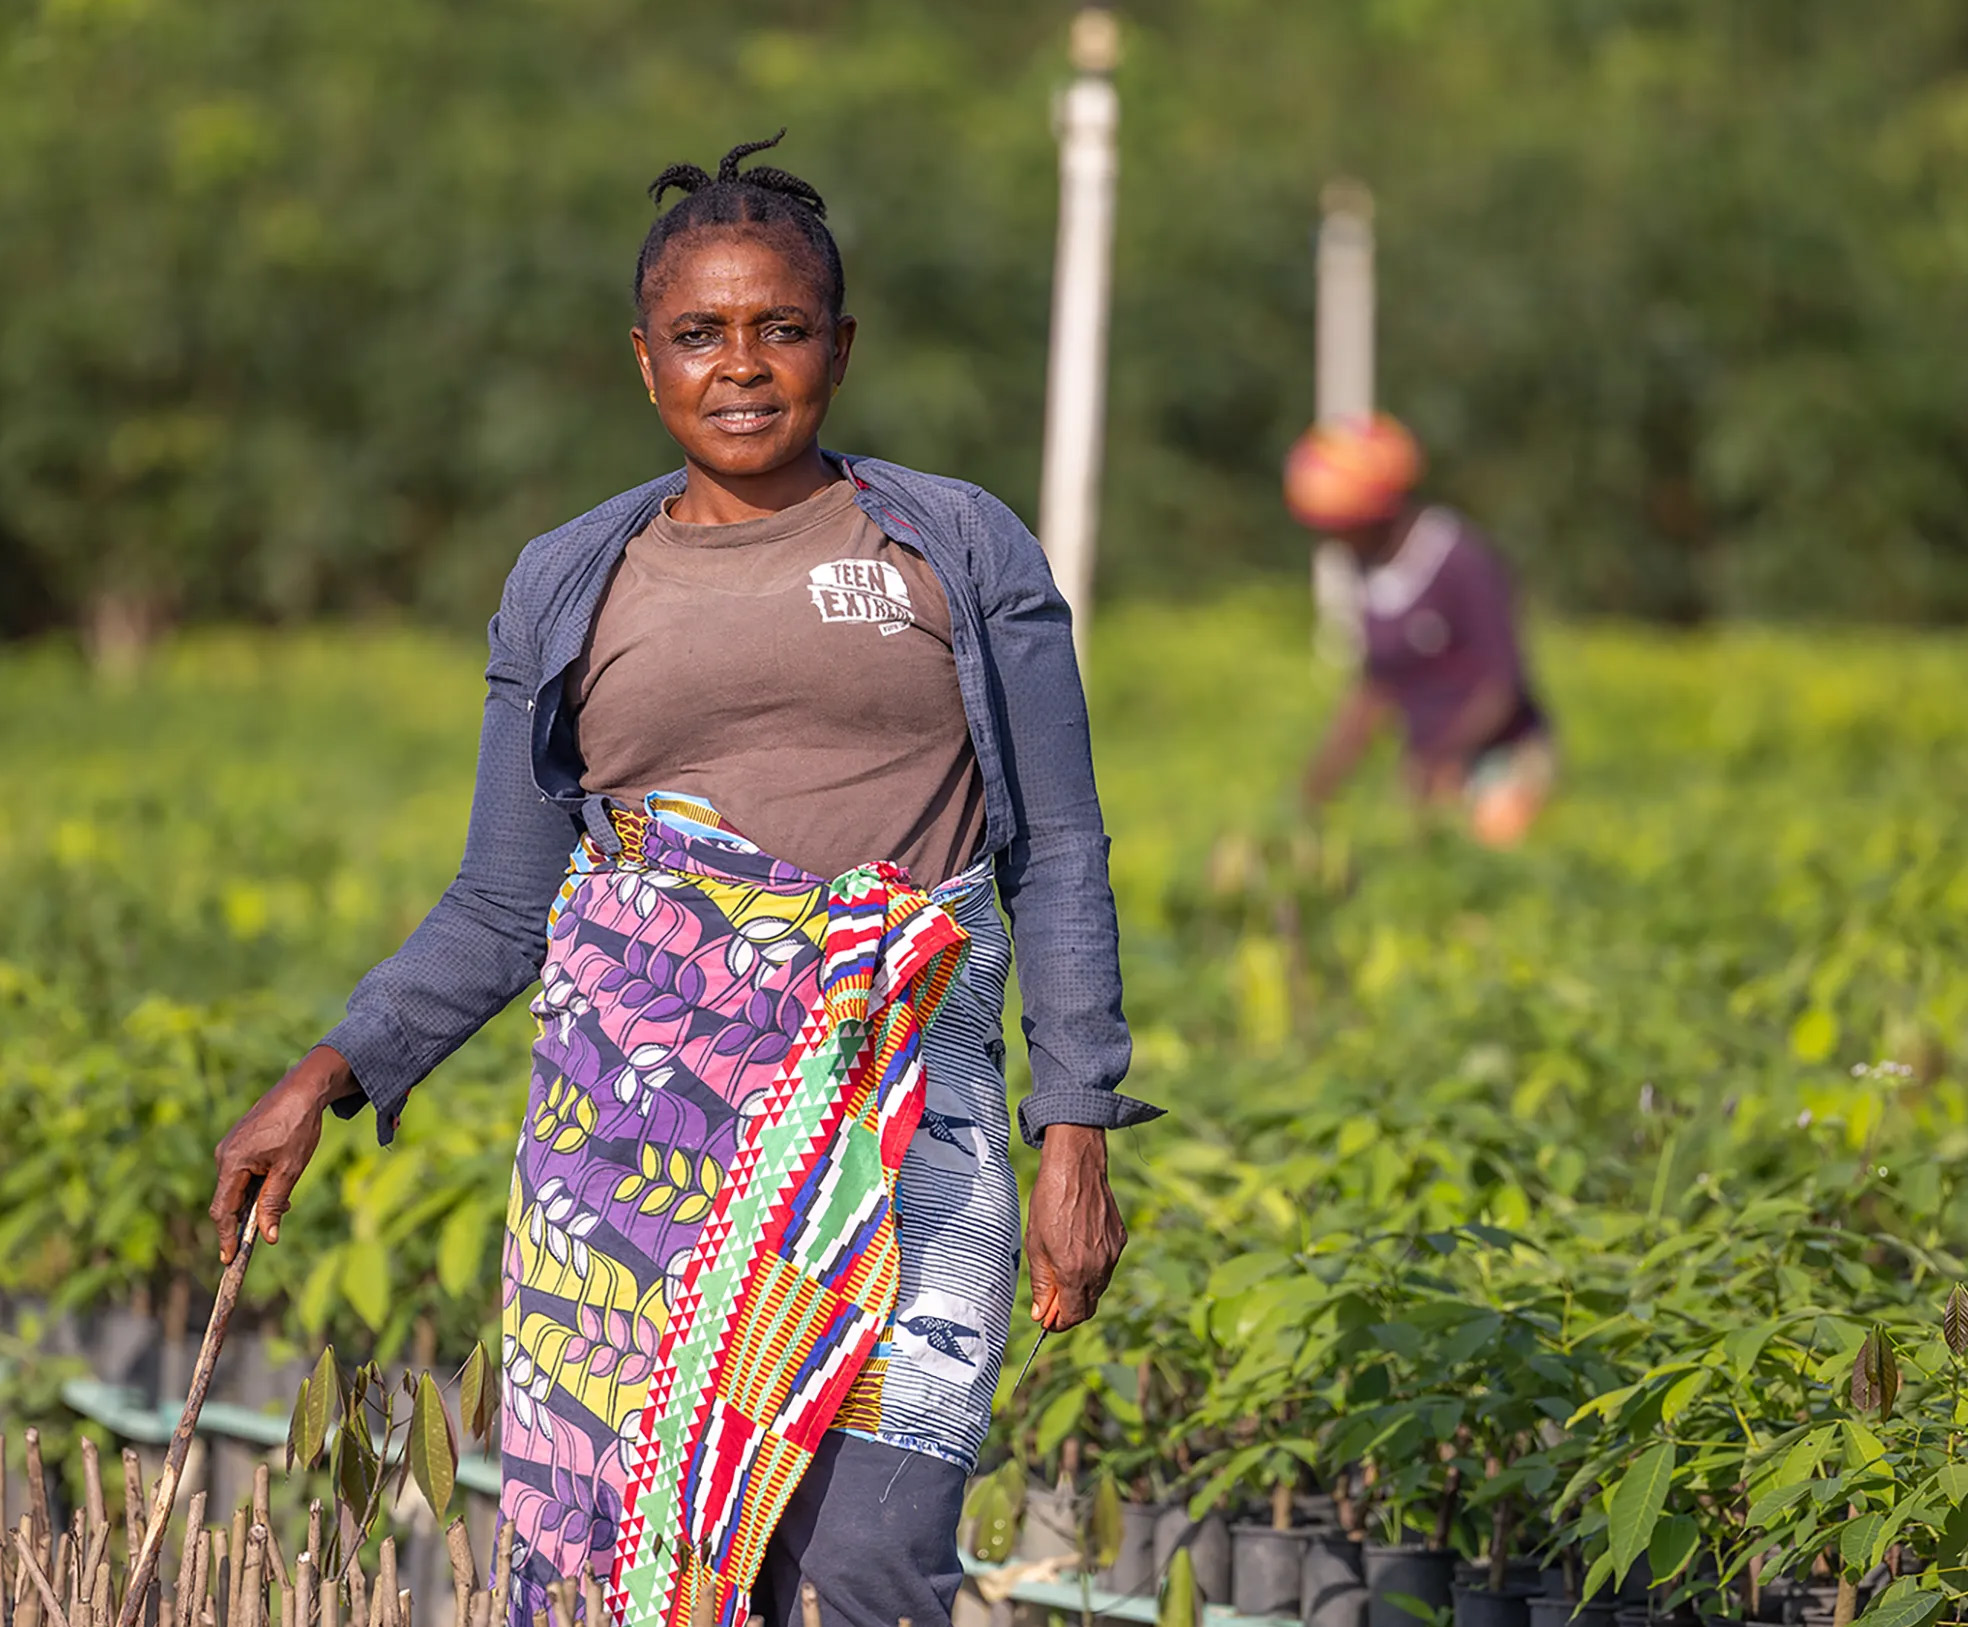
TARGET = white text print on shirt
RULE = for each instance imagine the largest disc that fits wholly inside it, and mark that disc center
(863, 590)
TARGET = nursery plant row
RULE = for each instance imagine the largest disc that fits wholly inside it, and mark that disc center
(1595, 1210)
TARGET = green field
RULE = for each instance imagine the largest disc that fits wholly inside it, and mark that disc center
(1624, 1055)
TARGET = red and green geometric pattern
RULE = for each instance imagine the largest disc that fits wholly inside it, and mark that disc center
(795, 1272)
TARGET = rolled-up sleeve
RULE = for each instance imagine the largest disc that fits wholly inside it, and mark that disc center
(484, 940)
(1052, 877)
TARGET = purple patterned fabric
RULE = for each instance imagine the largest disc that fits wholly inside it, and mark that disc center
(671, 992)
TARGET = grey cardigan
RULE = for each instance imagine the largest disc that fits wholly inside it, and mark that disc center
(484, 940)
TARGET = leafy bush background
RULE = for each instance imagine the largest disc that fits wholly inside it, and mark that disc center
(1755, 879)
(325, 307)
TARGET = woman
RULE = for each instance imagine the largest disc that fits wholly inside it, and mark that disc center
(1428, 602)
(798, 717)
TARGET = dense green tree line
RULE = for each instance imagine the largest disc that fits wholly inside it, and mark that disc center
(324, 307)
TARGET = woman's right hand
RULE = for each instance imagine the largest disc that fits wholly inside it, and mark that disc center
(273, 1143)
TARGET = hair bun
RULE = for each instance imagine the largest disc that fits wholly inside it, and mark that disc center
(728, 165)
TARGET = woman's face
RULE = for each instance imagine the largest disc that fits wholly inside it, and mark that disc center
(740, 351)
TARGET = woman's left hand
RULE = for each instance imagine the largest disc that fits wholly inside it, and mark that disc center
(1073, 1230)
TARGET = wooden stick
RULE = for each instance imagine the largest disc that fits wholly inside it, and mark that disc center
(201, 1382)
(386, 1586)
(280, 1576)
(98, 1556)
(222, 1561)
(184, 1602)
(287, 1607)
(27, 1603)
(480, 1614)
(558, 1601)
(236, 1590)
(307, 1567)
(404, 1605)
(194, 1608)
(105, 1602)
(40, 1580)
(92, 1480)
(133, 1510)
(68, 1564)
(37, 1487)
(502, 1576)
(591, 1598)
(358, 1590)
(252, 1586)
(331, 1601)
(464, 1569)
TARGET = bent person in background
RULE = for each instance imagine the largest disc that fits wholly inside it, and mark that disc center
(1432, 616)
(767, 743)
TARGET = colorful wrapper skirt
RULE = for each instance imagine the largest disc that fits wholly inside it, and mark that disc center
(702, 1267)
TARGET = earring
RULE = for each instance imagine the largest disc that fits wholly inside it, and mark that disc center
(652, 398)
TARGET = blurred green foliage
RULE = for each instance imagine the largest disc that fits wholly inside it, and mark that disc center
(325, 307)
(1542, 1167)
(1755, 878)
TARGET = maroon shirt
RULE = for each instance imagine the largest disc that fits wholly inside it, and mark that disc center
(1437, 620)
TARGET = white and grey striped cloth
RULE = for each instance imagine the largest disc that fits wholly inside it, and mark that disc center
(956, 1212)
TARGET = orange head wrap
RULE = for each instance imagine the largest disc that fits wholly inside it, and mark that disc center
(1357, 472)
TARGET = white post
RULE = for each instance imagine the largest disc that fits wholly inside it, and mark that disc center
(1344, 377)
(1343, 386)
(1076, 372)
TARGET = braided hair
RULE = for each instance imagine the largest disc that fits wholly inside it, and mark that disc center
(769, 201)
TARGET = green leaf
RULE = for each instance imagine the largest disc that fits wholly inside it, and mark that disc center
(1420, 1609)
(323, 1405)
(461, 1248)
(1104, 1524)
(1635, 1506)
(1673, 1544)
(1954, 1320)
(1681, 1394)
(1178, 1606)
(1802, 1461)
(354, 1465)
(1953, 1542)
(1953, 1482)
(1743, 1346)
(1239, 1464)
(1905, 1604)
(317, 1299)
(478, 1394)
(1459, 1346)
(1876, 1375)
(433, 1446)
(1771, 1504)
(993, 1507)
(294, 1426)
(1602, 1405)
(1061, 1416)
(1597, 1577)
(366, 1280)
(1813, 1035)
(1862, 1447)
(1855, 1543)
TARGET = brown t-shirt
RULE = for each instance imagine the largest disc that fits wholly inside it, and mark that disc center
(795, 672)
